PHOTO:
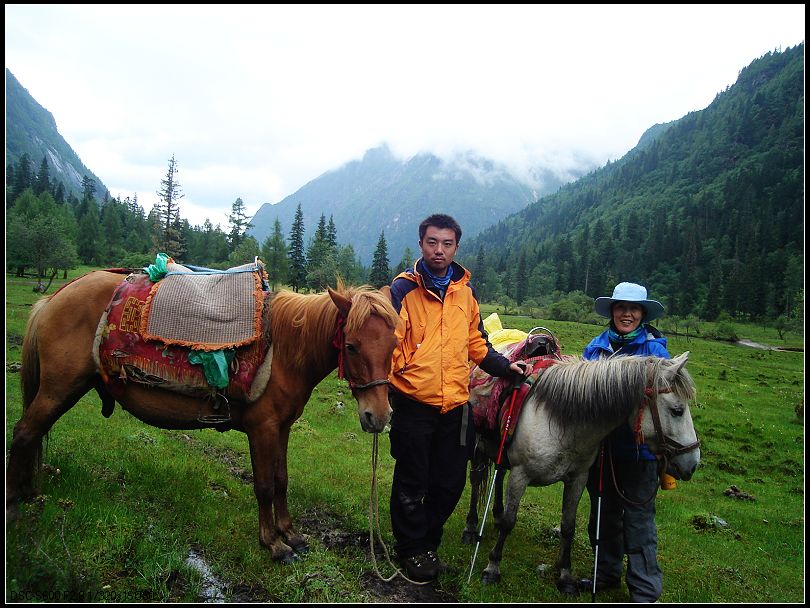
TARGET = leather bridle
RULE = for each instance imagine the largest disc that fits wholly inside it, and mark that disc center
(339, 342)
(668, 446)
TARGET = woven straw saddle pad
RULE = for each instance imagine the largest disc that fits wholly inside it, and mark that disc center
(132, 347)
(205, 311)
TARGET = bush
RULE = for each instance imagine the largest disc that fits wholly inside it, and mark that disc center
(725, 331)
(136, 260)
(573, 306)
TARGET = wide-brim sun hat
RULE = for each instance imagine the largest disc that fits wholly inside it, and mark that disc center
(629, 292)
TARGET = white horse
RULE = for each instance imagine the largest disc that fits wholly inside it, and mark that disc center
(571, 408)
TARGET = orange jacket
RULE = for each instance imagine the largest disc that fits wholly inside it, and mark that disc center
(438, 338)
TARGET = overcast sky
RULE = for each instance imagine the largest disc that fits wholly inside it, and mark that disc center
(254, 102)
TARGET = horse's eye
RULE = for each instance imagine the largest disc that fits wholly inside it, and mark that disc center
(676, 411)
(351, 348)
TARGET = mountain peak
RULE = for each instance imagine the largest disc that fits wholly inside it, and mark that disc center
(383, 193)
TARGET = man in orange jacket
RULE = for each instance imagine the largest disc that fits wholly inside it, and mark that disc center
(432, 434)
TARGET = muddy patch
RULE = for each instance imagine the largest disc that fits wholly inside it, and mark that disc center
(399, 591)
(334, 534)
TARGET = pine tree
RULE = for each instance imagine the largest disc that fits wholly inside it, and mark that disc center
(239, 224)
(176, 241)
(168, 212)
(479, 275)
(298, 264)
(113, 231)
(88, 188)
(274, 256)
(23, 178)
(521, 280)
(59, 192)
(320, 261)
(89, 236)
(331, 235)
(349, 269)
(42, 182)
(9, 183)
(380, 270)
(405, 263)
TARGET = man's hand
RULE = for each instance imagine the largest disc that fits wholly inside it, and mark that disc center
(521, 368)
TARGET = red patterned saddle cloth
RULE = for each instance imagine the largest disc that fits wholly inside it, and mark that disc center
(490, 397)
(129, 349)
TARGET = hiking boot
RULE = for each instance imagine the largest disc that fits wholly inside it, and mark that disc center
(420, 568)
(432, 558)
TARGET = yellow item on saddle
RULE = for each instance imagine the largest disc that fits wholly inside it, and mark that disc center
(499, 337)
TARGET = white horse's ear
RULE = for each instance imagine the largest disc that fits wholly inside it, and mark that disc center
(679, 362)
(342, 302)
(386, 291)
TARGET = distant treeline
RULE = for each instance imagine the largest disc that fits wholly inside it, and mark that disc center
(48, 232)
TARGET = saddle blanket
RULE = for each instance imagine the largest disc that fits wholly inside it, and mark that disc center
(205, 310)
(123, 353)
(488, 393)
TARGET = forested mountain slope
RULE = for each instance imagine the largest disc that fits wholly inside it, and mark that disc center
(707, 211)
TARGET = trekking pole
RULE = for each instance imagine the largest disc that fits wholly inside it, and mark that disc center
(598, 521)
(497, 466)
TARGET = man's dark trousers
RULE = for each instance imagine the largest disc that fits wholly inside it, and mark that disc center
(429, 474)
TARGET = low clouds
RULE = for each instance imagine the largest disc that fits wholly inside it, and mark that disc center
(254, 102)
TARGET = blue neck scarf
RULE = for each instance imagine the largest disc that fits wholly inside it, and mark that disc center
(440, 282)
(617, 338)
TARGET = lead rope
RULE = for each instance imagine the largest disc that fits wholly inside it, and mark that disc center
(374, 522)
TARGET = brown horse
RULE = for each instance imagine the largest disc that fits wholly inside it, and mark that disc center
(58, 368)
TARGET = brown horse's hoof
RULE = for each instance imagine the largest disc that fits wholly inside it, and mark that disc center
(301, 548)
(490, 578)
(297, 542)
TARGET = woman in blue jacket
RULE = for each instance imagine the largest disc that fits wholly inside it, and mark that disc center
(626, 525)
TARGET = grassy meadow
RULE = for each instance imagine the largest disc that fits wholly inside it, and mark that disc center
(124, 505)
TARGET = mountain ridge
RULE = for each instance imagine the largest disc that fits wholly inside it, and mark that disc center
(31, 129)
(382, 194)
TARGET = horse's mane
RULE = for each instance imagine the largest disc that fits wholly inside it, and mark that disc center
(304, 325)
(578, 391)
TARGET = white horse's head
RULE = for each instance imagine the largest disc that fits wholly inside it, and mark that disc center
(666, 421)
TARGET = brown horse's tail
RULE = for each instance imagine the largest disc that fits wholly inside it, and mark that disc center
(29, 373)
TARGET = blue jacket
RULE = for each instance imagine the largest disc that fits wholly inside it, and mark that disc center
(649, 342)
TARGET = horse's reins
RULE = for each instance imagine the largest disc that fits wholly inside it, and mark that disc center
(339, 342)
(669, 446)
(374, 523)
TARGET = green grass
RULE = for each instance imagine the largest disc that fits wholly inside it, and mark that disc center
(117, 520)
